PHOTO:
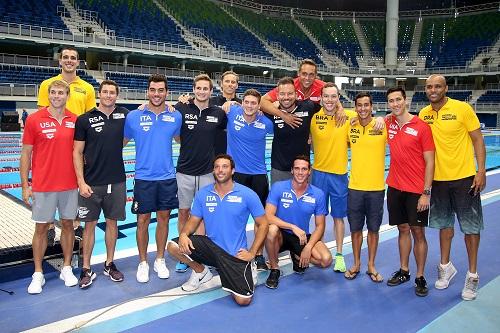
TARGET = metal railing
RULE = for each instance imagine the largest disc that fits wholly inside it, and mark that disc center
(27, 60)
(248, 78)
(141, 69)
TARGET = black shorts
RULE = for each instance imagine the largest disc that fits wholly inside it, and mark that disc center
(110, 198)
(258, 183)
(450, 198)
(291, 243)
(365, 205)
(402, 208)
(154, 195)
(235, 274)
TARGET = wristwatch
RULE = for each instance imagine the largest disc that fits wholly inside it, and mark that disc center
(427, 191)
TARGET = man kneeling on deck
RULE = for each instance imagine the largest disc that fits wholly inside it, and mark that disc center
(289, 208)
(224, 207)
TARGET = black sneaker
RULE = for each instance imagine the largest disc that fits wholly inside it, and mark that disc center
(51, 237)
(261, 263)
(86, 278)
(421, 287)
(296, 265)
(273, 279)
(398, 277)
(79, 233)
(113, 272)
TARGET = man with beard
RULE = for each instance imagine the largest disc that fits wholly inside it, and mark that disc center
(289, 208)
(155, 188)
(289, 142)
(225, 207)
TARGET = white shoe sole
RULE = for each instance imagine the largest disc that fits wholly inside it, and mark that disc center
(205, 279)
(161, 277)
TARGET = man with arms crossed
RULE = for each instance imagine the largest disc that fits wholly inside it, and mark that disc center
(81, 99)
(225, 207)
(409, 182)
(288, 210)
(155, 188)
(200, 124)
(365, 201)
(289, 142)
(98, 160)
(47, 149)
(457, 186)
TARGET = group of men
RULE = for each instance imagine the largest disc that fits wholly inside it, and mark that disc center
(217, 189)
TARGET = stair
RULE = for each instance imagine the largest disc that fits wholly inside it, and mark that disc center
(274, 48)
(415, 43)
(330, 60)
(195, 37)
(97, 75)
(83, 22)
(489, 53)
(475, 96)
(367, 54)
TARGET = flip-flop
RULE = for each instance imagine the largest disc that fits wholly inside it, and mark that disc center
(375, 276)
(352, 275)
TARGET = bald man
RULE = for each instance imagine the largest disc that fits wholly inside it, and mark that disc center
(457, 184)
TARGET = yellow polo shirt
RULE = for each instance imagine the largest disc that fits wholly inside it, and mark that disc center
(450, 129)
(367, 157)
(81, 95)
(330, 142)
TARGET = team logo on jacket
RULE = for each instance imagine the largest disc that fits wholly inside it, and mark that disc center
(69, 124)
(82, 212)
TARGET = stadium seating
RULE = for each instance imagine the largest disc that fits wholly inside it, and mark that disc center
(378, 96)
(281, 30)
(491, 96)
(454, 41)
(140, 81)
(35, 75)
(139, 19)
(262, 88)
(405, 36)
(337, 36)
(461, 95)
(375, 35)
(38, 13)
(217, 25)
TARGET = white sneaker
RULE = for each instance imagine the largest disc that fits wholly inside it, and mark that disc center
(469, 292)
(445, 274)
(160, 268)
(196, 279)
(143, 272)
(37, 283)
(68, 277)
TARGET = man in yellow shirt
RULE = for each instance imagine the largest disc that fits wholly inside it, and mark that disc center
(366, 185)
(330, 162)
(457, 186)
(81, 99)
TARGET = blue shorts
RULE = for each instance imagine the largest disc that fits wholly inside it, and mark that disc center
(154, 195)
(367, 205)
(335, 188)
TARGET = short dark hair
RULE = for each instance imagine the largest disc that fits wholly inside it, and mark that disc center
(109, 83)
(157, 77)
(285, 80)
(68, 48)
(226, 157)
(302, 158)
(203, 77)
(252, 92)
(308, 62)
(361, 95)
(330, 85)
(395, 89)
